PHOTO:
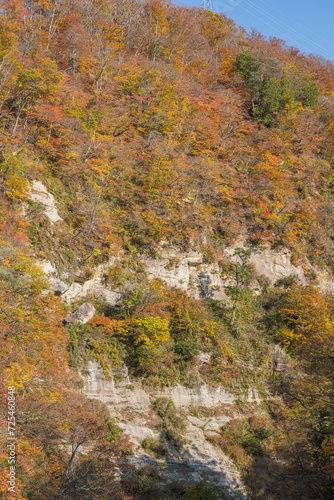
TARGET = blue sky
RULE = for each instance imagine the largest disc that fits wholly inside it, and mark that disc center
(305, 24)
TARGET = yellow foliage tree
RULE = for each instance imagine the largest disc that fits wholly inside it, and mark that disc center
(150, 330)
(307, 314)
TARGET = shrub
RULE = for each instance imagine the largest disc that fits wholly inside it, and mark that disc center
(185, 350)
(155, 365)
(243, 439)
(204, 490)
(144, 484)
(173, 423)
(154, 447)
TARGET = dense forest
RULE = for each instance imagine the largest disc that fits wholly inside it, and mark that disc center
(148, 123)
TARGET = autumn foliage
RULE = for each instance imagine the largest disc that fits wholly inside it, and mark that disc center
(150, 122)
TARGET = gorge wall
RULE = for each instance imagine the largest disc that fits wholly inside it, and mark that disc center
(206, 410)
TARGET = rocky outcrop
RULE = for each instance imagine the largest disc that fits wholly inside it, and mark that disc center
(189, 271)
(186, 270)
(71, 292)
(279, 359)
(98, 386)
(39, 193)
(272, 263)
(77, 291)
(57, 285)
(95, 285)
(325, 281)
(131, 405)
(83, 314)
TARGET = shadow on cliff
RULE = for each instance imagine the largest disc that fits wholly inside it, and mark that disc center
(204, 476)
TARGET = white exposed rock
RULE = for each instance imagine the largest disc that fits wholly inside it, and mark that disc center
(195, 421)
(77, 291)
(137, 433)
(96, 383)
(273, 263)
(83, 314)
(74, 291)
(39, 193)
(47, 268)
(205, 456)
(94, 286)
(187, 271)
(253, 396)
(57, 285)
(132, 407)
(279, 359)
(98, 386)
(276, 264)
(325, 282)
(215, 424)
(204, 357)
(202, 395)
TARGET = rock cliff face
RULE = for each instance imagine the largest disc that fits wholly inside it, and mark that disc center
(190, 272)
(131, 405)
(186, 270)
(274, 264)
(71, 292)
(206, 409)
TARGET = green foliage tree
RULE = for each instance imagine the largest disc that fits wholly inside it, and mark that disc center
(274, 95)
(271, 91)
(306, 92)
(249, 67)
(239, 273)
(173, 422)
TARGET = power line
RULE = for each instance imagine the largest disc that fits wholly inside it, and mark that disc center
(277, 30)
(287, 27)
(296, 22)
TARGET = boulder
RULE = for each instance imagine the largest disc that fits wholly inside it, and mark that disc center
(83, 314)
(58, 286)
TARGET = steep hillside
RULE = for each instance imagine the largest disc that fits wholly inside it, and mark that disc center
(166, 214)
